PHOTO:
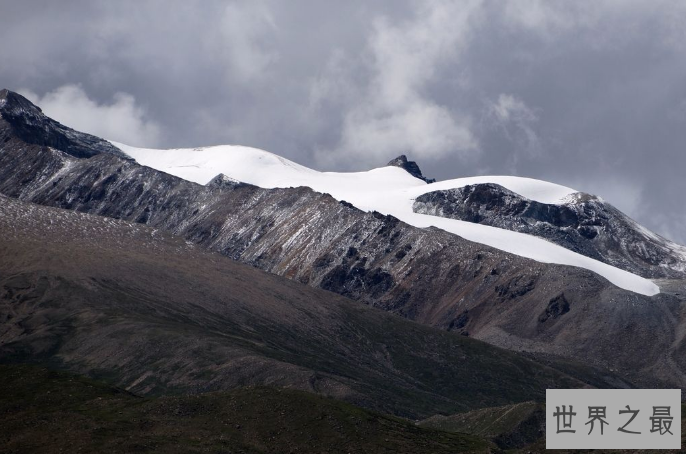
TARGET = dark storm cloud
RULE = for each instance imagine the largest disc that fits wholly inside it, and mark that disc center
(588, 94)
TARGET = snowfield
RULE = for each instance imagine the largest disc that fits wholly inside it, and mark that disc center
(388, 190)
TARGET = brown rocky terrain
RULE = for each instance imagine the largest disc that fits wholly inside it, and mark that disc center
(153, 314)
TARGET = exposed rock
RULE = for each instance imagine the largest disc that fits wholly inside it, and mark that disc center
(411, 167)
(584, 224)
(221, 181)
(557, 307)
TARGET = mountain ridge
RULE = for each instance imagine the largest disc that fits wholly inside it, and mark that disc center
(154, 314)
(395, 194)
(583, 223)
(427, 275)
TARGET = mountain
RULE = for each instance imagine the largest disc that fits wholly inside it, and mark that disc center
(388, 190)
(507, 288)
(26, 121)
(580, 222)
(584, 225)
(154, 314)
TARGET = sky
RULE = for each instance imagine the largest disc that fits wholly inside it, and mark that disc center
(590, 94)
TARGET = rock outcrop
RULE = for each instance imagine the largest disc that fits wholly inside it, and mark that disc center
(585, 224)
(410, 166)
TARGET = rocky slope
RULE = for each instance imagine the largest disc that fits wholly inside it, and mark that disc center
(155, 314)
(584, 223)
(427, 275)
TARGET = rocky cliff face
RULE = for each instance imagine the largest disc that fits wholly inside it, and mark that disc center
(427, 275)
(584, 224)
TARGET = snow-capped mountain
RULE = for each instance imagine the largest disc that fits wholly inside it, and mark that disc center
(379, 253)
(393, 191)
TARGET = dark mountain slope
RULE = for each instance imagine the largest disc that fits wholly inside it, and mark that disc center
(585, 224)
(427, 275)
(45, 412)
(153, 313)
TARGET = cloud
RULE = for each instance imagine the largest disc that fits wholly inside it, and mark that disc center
(246, 33)
(516, 121)
(122, 120)
(553, 90)
(393, 113)
(671, 226)
(600, 24)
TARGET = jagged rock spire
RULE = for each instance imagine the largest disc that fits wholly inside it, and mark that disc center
(411, 167)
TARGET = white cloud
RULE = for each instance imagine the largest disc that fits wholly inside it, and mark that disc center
(246, 32)
(122, 120)
(540, 16)
(393, 114)
(516, 121)
(600, 24)
(420, 128)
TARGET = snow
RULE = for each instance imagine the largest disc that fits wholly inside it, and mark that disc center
(540, 191)
(388, 190)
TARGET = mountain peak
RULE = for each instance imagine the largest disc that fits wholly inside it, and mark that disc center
(22, 119)
(410, 166)
(14, 102)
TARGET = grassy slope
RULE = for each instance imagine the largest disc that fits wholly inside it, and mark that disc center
(45, 411)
